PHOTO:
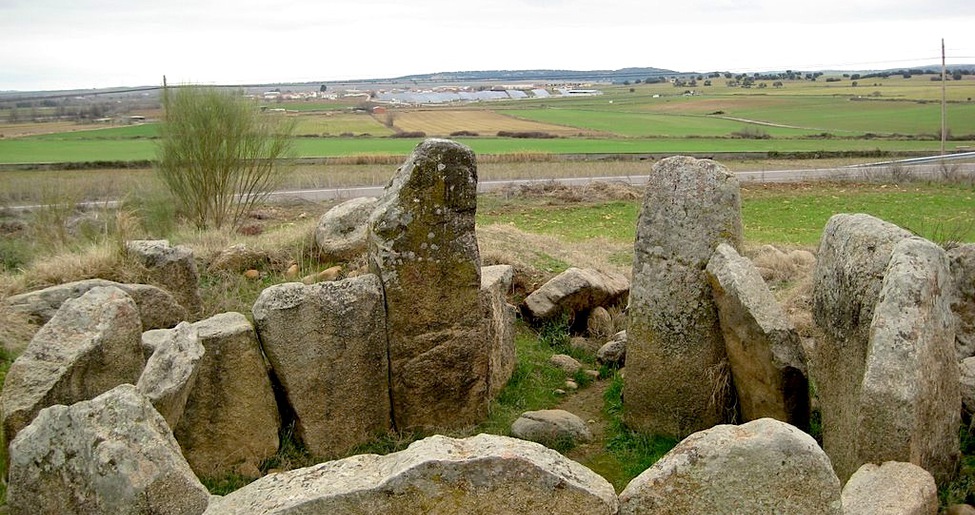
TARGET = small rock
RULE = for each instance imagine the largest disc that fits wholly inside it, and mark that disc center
(613, 352)
(571, 385)
(252, 274)
(599, 324)
(592, 373)
(960, 509)
(554, 427)
(559, 391)
(893, 487)
(292, 272)
(566, 363)
(330, 274)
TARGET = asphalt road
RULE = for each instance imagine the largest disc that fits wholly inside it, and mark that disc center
(861, 172)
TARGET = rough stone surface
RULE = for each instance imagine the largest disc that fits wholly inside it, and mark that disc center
(853, 255)
(613, 352)
(764, 350)
(677, 369)
(326, 343)
(90, 346)
(171, 369)
(960, 509)
(343, 231)
(894, 488)
(553, 428)
(113, 455)
(230, 422)
(575, 292)
(495, 284)
(966, 371)
(963, 303)
(764, 466)
(157, 308)
(423, 247)
(909, 397)
(483, 474)
(172, 268)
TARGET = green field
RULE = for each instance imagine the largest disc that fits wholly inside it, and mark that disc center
(888, 115)
(91, 150)
(780, 215)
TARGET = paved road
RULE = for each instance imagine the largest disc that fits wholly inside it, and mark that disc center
(862, 172)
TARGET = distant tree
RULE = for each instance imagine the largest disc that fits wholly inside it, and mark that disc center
(14, 115)
(855, 76)
(906, 75)
(323, 88)
(854, 84)
(707, 83)
(956, 76)
(218, 154)
(777, 84)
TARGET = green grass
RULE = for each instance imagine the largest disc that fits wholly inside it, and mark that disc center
(77, 150)
(642, 124)
(634, 452)
(791, 215)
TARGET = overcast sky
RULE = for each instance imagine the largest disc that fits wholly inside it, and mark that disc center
(59, 44)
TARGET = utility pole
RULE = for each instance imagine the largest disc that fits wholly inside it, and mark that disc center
(944, 74)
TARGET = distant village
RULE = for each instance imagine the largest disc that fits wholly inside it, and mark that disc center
(430, 96)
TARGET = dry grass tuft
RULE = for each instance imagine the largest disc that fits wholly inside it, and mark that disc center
(537, 258)
(16, 329)
(777, 265)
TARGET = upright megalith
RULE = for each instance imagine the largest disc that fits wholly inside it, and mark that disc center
(89, 347)
(230, 420)
(327, 346)
(885, 365)
(677, 377)
(910, 398)
(962, 262)
(763, 347)
(500, 316)
(171, 369)
(423, 247)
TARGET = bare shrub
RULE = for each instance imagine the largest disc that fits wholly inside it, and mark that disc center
(218, 155)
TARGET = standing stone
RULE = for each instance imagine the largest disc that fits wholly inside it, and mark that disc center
(677, 378)
(483, 474)
(343, 231)
(172, 268)
(230, 422)
(764, 466)
(90, 346)
(910, 399)
(423, 248)
(763, 347)
(171, 369)
(111, 455)
(963, 303)
(326, 343)
(884, 366)
(500, 317)
(894, 488)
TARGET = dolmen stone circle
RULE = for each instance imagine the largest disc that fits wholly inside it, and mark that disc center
(101, 415)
